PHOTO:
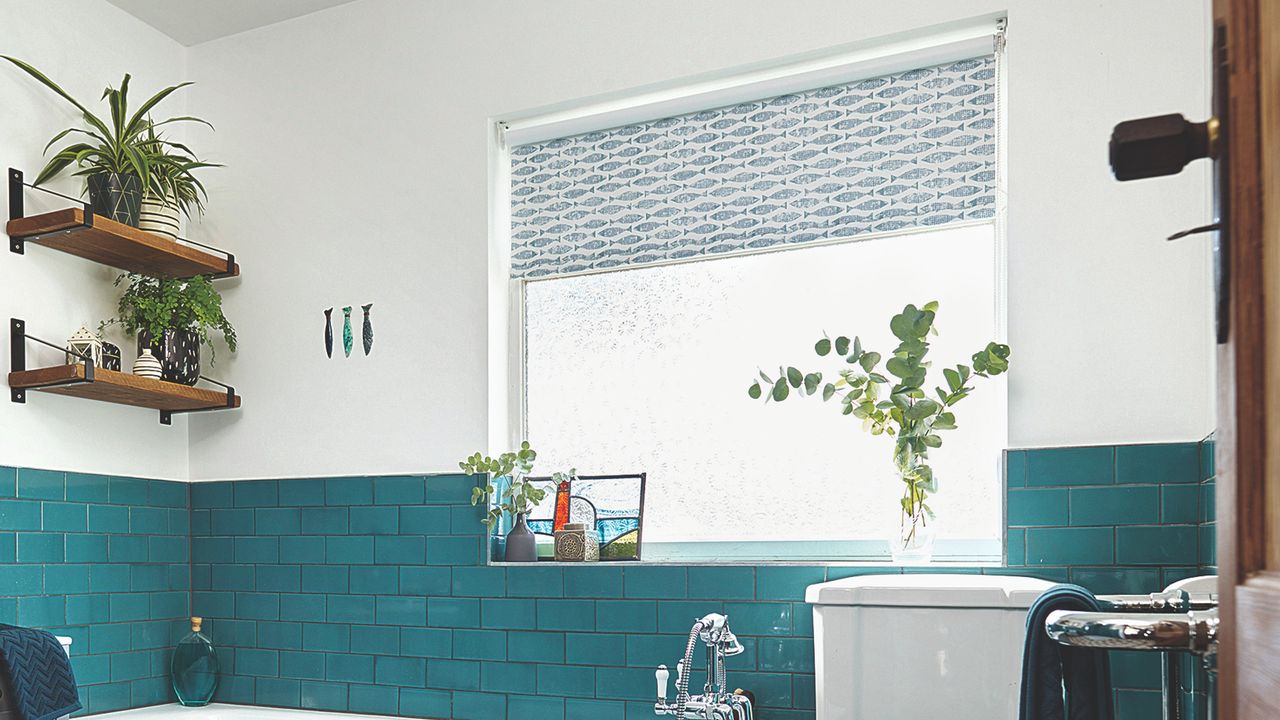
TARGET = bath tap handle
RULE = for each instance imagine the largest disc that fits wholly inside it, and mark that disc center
(679, 673)
(662, 675)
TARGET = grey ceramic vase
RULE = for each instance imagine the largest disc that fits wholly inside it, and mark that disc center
(521, 545)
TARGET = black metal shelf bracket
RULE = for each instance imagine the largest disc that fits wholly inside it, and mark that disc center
(17, 243)
(166, 416)
(18, 359)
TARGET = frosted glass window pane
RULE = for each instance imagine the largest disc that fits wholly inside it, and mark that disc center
(647, 370)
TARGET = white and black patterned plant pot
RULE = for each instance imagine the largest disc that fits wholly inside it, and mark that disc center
(178, 353)
(159, 218)
(117, 196)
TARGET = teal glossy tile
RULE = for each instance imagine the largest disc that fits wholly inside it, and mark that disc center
(302, 665)
(397, 610)
(1070, 546)
(536, 707)
(1133, 669)
(373, 699)
(1208, 449)
(722, 583)
(277, 521)
(303, 608)
(1180, 503)
(351, 609)
(348, 491)
(149, 521)
(594, 648)
(126, 491)
(402, 549)
(324, 521)
(652, 650)
(128, 607)
(1126, 505)
(45, 548)
(450, 489)
(91, 669)
(1160, 463)
(554, 614)
(786, 582)
(309, 550)
(508, 677)
(1208, 501)
(1208, 548)
(278, 578)
(675, 616)
(256, 493)
(341, 667)
(254, 661)
(65, 517)
(593, 582)
(301, 492)
(375, 640)
(106, 698)
(426, 642)
(348, 549)
(1037, 506)
(168, 493)
(466, 519)
(126, 548)
(1139, 705)
(453, 674)
(152, 578)
(630, 616)
(21, 580)
(207, 495)
(168, 604)
(425, 703)
(656, 581)
(479, 705)
(566, 680)
(477, 581)
(801, 620)
(585, 709)
(168, 549)
(1071, 466)
(400, 671)
(1156, 545)
(8, 547)
(374, 520)
(803, 692)
(399, 490)
(325, 578)
(278, 692)
(1112, 580)
(508, 613)
(66, 579)
(322, 637)
(19, 515)
(425, 519)
(761, 618)
(212, 604)
(1015, 468)
(377, 579)
(620, 683)
(453, 550)
(9, 482)
(1016, 547)
(257, 606)
(536, 646)
(479, 644)
(232, 577)
(536, 581)
(110, 638)
(42, 484)
(87, 548)
(453, 612)
(110, 578)
(200, 522)
(128, 666)
(430, 581)
(257, 550)
(85, 488)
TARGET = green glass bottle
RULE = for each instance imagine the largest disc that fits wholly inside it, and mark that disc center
(195, 668)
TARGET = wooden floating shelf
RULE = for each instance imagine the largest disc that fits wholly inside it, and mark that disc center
(117, 245)
(121, 388)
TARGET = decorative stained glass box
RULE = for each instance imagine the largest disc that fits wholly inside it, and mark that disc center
(611, 506)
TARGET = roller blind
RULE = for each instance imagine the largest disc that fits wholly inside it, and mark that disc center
(909, 149)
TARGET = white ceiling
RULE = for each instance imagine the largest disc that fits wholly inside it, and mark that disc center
(192, 22)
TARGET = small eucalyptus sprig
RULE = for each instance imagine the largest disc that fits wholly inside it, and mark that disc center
(518, 496)
(908, 414)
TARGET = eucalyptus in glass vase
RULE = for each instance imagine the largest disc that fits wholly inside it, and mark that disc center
(895, 404)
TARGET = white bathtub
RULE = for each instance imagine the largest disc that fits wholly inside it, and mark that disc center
(229, 712)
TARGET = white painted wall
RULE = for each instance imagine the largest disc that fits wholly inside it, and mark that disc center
(356, 146)
(84, 45)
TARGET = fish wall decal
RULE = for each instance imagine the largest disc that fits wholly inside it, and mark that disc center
(347, 339)
(367, 330)
(328, 332)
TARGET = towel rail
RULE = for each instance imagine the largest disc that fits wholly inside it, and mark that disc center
(1194, 631)
(1172, 601)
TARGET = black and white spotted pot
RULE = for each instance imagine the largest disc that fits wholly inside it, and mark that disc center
(178, 353)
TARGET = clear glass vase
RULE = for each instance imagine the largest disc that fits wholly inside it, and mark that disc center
(912, 542)
(195, 668)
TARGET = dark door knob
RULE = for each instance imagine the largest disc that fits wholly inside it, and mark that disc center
(1161, 145)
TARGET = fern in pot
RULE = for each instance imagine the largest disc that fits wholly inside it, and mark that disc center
(173, 319)
(116, 155)
(896, 404)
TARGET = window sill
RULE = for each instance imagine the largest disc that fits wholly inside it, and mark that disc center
(949, 553)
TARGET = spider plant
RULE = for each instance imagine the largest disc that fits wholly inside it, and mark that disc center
(123, 144)
(173, 180)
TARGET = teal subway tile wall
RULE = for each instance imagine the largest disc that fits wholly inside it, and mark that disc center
(371, 594)
(105, 561)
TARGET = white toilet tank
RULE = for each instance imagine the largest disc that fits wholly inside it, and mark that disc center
(920, 646)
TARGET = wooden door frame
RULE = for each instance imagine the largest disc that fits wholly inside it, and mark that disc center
(1248, 447)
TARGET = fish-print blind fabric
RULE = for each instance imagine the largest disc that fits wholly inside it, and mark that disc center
(912, 149)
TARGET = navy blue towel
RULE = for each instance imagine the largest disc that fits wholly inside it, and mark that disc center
(1049, 668)
(39, 672)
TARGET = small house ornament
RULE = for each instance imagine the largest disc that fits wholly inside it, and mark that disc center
(84, 345)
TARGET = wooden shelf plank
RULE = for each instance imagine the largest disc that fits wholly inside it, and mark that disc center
(118, 245)
(120, 388)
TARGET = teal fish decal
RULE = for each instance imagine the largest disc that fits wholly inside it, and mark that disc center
(328, 332)
(367, 330)
(347, 339)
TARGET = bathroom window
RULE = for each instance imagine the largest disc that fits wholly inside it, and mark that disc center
(658, 264)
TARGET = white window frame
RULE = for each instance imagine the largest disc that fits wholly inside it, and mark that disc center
(507, 424)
